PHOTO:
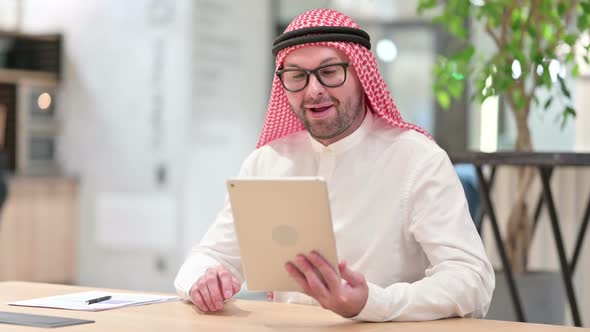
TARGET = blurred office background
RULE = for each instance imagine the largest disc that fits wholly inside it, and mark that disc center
(118, 146)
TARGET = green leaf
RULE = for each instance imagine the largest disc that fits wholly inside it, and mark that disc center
(583, 22)
(569, 57)
(548, 32)
(571, 111)
(586, 59)
(561, 8)
(563, 87)
(460, 7)
(440, 19)
(425, 4)
(548, 103)
(570, 39)
(516, 18)
(537, 58)
(458, 76)
(455, 87)
(576, 70)
(567, 113)
(546, 76)
(532, 31)
(517, 54)
(456, 27)
(466, 54)
(502, 80)
(518, 100)
(443, 99)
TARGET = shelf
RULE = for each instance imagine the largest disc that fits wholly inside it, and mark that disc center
(30, 57)
(17, 76)
(20, 35)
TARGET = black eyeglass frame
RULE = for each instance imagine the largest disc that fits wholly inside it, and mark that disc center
(315, 73)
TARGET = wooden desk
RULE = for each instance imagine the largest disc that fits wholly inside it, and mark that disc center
(239, 315)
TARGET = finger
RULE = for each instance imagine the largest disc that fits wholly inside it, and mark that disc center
(319, 290)
(352, 277)
(225, 281)
(299, 277)
(327, 271)
(204, 292)
(235, 285)
(198, 299)
(212, 282)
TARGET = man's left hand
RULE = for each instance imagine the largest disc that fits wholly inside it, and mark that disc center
(318, 279)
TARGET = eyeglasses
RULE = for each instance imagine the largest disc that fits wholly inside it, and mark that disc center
(295, 80)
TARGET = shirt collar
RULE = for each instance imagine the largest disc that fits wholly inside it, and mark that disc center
(347, 142)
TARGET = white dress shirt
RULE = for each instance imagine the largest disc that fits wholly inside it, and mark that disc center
(400, 218)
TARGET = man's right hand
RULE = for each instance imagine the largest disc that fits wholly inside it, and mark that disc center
(213, 288)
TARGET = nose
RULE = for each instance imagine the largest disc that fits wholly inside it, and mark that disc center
(315, 88)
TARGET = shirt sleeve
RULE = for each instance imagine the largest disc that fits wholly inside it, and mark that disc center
(460, 279)
(218, 246)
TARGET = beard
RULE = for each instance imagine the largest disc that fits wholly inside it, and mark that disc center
(328, 128)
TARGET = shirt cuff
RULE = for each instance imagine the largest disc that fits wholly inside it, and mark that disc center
(375, 308)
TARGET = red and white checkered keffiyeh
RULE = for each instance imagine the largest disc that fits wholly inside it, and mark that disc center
(281, 120)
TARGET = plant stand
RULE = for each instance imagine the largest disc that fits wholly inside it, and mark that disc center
(545, 163)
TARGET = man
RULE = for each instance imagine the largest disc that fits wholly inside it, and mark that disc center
(410, 250)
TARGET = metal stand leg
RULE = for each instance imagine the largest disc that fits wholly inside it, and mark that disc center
(580, 239)
(485, 193)
(545, 173)
(538, 208)
(481, 211)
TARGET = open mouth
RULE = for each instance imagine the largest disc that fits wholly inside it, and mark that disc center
(320, 109)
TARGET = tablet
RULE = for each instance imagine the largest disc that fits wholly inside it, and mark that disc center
(275, 220)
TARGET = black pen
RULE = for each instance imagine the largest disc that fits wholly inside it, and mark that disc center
(98, 299)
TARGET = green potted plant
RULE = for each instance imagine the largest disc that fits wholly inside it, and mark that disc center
(528, 35)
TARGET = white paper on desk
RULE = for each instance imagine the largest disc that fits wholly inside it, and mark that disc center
(77, 301)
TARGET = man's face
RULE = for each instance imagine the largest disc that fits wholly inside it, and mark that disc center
(328, 114)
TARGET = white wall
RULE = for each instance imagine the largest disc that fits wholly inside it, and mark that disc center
(545, 125)
(582, 107)
(139, 96)
(9, 15)
(233, 73)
